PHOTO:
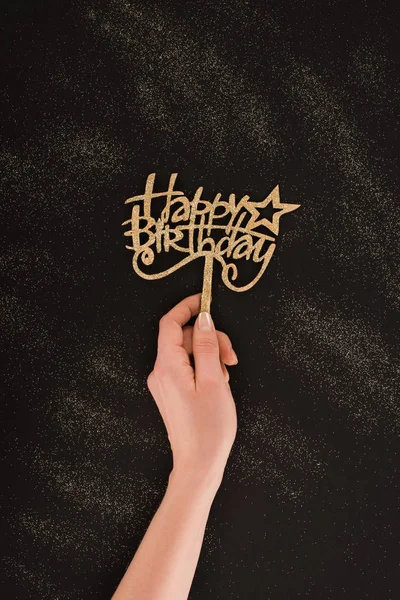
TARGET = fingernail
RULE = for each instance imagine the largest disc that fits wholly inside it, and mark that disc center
(204, 321)
(234, 355)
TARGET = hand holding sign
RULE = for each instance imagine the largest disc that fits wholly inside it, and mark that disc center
(199, 218)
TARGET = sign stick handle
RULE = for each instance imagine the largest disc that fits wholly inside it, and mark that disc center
(207, 284)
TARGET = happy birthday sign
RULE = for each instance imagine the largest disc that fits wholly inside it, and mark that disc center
(186, 226)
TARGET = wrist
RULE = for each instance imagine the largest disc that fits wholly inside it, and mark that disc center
(202, 477)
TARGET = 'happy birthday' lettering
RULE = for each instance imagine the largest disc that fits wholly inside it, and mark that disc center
(186, 226)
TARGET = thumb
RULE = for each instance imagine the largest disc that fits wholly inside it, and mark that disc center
(206, 350)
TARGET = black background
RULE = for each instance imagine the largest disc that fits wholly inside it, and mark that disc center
(237, 97)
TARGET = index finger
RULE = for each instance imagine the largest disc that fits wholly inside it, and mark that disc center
(170, 336)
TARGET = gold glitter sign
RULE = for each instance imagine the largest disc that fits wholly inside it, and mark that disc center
(186, 226)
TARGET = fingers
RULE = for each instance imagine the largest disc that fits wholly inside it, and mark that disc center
(225, 371)
(206, 351)
(170, 336)
(187, 338)
(226, 351)
(211, 349)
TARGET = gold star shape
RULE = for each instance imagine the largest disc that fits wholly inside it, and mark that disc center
(274, 224)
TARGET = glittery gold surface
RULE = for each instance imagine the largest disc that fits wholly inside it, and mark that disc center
(241, 240)
(207, 284)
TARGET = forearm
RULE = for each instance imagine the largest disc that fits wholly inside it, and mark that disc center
(165, 562)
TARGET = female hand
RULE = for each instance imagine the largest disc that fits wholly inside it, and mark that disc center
(199, 413)
(195, 403)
